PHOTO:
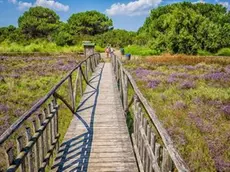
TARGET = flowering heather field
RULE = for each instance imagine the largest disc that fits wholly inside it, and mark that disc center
(24, 80)
(191, 96)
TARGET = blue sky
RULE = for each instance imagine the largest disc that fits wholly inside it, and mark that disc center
(126, 14)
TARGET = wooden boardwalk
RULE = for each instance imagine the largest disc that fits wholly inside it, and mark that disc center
(98, 138)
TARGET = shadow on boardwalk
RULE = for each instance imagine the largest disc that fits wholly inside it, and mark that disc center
(74, 153)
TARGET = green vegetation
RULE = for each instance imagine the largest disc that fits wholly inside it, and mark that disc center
(140, 50)
(187, 28)
(191, 97)
(23, 81)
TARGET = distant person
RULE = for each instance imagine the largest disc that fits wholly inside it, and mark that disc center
(107, 51)
(111, 52)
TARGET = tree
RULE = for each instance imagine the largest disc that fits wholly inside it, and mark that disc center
(187, 28)
(38, 22)
(89, 23)
(116, 38)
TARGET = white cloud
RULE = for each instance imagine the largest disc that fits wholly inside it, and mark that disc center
(138, 7)
(225, 4)
(13, 1)
(24, 5)
(52, 4)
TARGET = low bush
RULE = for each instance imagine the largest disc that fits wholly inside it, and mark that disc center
(139, 50)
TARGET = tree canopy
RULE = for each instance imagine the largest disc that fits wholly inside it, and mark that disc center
(187, 28)
(89, 23)
(38, 22)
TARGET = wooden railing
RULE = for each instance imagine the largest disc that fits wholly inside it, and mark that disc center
(152, 144)
(36, 133)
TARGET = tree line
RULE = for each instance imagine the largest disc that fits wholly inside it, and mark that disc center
(177, 28)
(187, 28)
(42, 23)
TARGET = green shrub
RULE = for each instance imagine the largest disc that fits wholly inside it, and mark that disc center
(139, 50)
(224, 52)
(64, 38)
(203, 53)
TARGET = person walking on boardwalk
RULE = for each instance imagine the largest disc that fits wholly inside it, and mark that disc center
(107, 51)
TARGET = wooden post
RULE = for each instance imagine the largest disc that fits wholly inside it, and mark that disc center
(36, 149)
(29, 156)
(41, 140)
(125, 92)
(80, 82)
(22, 167)
(9, 156)
(71, 92)
(167, 164)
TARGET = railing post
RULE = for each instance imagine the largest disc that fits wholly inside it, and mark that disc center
(71, 92)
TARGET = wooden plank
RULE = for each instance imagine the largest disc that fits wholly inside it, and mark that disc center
(22, 167)
(41, 140)
(167, 164)
(9, 156)
(71, 92)
(29, 156)
(36, 148)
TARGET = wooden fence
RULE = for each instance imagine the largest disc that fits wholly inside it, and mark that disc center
(153, 146)
(40, 139)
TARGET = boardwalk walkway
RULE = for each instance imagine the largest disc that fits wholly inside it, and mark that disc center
(98, 138)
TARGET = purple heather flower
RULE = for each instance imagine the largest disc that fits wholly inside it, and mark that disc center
(153, 83)
(226, 110)
(227, 69)
(15, 75)
(171, 80)
(180, 75)
(3, 108)
(140, 73)
(180, 105)
(190, 67)
(187, 85)
(216, 76)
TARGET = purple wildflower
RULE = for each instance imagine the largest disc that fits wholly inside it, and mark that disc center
(190, 67)
(200, 124)
(180, 75)
(171, 80)
(180, 105)
(15, 75)
(3, 108)
(216, 76)
(227, 69)
(187, 85)
(153, 83)
(140, 73)
(226, 110)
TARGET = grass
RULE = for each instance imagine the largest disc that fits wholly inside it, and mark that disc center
(23, 81)
(41, 47)
(191, 96)
(139, 50)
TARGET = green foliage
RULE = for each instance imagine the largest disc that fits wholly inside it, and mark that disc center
(224, 52)
(140, 50)
(187, 28)
(203, 53)
(38, 22)
(116, 38)
(64, 38)
(89, 22)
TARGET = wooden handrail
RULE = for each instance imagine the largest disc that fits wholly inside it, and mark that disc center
(35, 107)
(45, 138)
(168, 143)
